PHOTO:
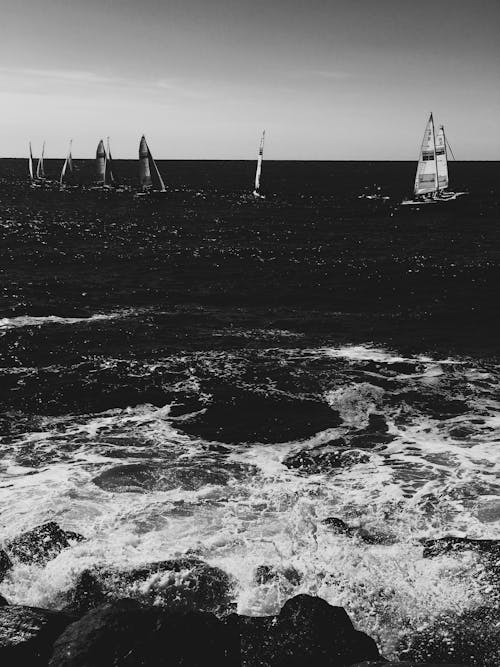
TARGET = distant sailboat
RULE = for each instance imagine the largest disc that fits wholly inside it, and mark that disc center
(67, 166)
(30, 163)
(149, 176)
(258, 170)
(40, 168)
(431, 180)
(109, 177)
(100, 162)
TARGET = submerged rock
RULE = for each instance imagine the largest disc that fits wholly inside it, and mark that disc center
(28, 633)
(265, 574)
(5, 564)
(126, 633)
(323, 459)
(179, 584)
(308, 631)
(452, 544)
(336, 525)
(41, 544)
(236, 416)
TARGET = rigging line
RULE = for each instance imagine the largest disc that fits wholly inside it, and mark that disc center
(451, 149)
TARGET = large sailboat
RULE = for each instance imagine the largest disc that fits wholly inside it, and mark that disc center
(149, 175)
(109, 177)
(67, 168)
(100, 163)
(431, 179)
(30, 164)
(256, 192)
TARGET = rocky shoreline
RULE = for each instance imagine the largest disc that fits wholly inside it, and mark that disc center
(180, 612)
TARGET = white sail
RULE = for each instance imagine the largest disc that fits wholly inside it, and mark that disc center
(441, 159)
(68, 164)
(100, 162)
(109, 178)
(30, 162)
(40, 169)
(149, 174)
(259, 163)
(144, 171)
(426, 180)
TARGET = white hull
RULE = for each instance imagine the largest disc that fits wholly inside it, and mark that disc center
(449, 196)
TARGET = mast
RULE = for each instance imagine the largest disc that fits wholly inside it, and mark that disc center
(441, 159)
(436, 178)
(259, 163)
(30, 162)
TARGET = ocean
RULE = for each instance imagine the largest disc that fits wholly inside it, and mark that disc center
(203, 373)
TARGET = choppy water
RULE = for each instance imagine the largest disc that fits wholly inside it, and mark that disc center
(161, 360)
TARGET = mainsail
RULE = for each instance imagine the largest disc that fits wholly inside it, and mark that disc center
(441, 159)
(149, 175)
(259, 164)
(426, 180)
(40, 170)
(68, 164)
(30, 162)
(100, 162)
(109, 178)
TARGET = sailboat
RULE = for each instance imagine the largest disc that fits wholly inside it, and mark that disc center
(431, 179)
(67, 166)
(256, 192)
(100, 163)
(40, 169)
(149, 175)
(30, 163)
(109, 178)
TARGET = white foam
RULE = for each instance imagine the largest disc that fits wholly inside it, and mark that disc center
(19, 321)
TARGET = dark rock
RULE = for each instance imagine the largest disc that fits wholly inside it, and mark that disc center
(322, 459)
(41, 544)
(452, 544)
(3, 601)
(5, 564)
(127, 634)
(236, 416)
(307, 632)
(376, 423)
(469, 638)
(338, 526)
(28, 633)
(370, 440)
(265, 574)
(180, 584)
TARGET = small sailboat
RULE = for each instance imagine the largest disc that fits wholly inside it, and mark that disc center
(67, 167)
(256, 192)
(431, 179)
(149, 175)
(40, 167)
(100, 163)
(109, 178)
(30, 164)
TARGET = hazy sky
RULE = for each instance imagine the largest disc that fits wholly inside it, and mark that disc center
(328, 79)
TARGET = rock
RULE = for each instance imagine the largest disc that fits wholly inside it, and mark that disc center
(129, 634)
(265, 574)
(376, 423)
(3, 601)
(180, 584)
(41, 544)
(338, 526)
(28, 633)
(321, 459)
(5, 564)
(452, 544)
(469, 638)
(235, 415)
(308, 631)
(370, 440)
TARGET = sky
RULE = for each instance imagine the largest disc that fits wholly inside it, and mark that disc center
(327, 79)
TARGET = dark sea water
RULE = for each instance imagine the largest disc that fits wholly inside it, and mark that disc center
(162, 358)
